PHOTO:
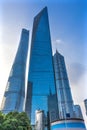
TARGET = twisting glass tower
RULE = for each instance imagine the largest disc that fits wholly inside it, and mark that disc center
(65, 102)
(41, 73)
(15, 90)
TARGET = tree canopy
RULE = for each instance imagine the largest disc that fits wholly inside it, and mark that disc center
(14, 121)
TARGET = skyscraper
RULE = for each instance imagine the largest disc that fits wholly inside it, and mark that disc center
(41, 72)
(65, 102)
(52, 107)
(78, 112)
(15, 89)
(85, 102)
(40, 120)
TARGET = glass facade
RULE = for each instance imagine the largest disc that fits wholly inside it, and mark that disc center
(15, 90)
(53, 107)
(41, 72)
(70, 124)
(78, 112)
(85, 102)
(28, 102)
(65, 102)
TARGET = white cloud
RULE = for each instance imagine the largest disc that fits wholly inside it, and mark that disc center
(55, 44)
(58, 41)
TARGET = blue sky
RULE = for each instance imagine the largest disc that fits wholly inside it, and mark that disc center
(68, 25)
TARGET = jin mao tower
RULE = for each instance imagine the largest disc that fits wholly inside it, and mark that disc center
(64, 96)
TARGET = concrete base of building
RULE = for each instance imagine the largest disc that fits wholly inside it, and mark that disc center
(68, 124)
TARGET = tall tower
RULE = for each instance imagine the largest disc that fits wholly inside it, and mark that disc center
(14, 95)
(78, 112)
(52, 107)
(41, 72)
(65, 102)
(40, 120)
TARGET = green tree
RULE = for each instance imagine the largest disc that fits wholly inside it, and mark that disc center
(1, 117)
(14, 121)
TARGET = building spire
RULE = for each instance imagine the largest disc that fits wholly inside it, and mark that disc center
(57, 51)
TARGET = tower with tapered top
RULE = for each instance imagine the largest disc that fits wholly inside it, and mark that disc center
(14, 95)
(64, 96)
(41, 73)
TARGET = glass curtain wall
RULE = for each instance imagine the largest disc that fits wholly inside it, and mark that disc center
(41, 65)
(65, 102)
(15, 89)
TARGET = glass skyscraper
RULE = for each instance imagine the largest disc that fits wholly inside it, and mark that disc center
(14, 95)
(41, 73)
(78, 112)
(64, 96)
(52, 107)
(85, 103)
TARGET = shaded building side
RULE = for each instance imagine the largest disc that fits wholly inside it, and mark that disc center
(53, 107)
(28, 102)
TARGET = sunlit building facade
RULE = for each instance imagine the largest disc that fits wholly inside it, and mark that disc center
(64, 96)
(39, 120)
(14, 95)
(41, 72)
